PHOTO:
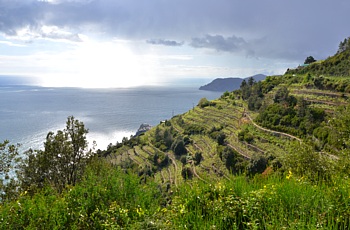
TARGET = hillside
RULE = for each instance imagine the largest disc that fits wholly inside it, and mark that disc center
(261, 126)
(273, 154)
(228, 84)
(284, 125)
(336, 65)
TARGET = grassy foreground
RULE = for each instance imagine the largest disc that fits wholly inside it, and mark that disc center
(111, 199)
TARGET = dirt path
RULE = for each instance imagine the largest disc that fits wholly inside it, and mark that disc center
(240, 152)
(195, 173)
(175, 165)
(271, 131)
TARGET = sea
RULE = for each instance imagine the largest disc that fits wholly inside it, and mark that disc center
(28, 113)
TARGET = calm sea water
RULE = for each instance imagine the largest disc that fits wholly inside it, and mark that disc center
(28, 113)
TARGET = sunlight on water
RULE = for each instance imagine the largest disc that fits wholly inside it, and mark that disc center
(28, 113)
(104, 139)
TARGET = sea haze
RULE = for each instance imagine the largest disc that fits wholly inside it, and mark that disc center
(28, 113)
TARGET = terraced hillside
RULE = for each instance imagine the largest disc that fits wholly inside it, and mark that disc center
(272, 155)
(224, 136)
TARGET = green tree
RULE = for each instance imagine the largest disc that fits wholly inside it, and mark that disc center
(203, 102)
(231, 159)
(8, 163)
(339, 136)
(63, 160)
(243, 84)
(197, 158)
(257, 164)
(251, 81)
(281, 95)
(344, 45)
(178, 147)
(303, 160)
(8, 157)
(309, 60)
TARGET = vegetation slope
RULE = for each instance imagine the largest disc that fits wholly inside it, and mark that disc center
(271, 155)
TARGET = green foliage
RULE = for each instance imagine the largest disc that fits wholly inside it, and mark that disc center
(305, 162)
(160, 159)
(183, 159)
(253, 93)
(225, 94)
(198, 157)
(257, 164)
(178, 146)
(163, 138)
(232, 160)
(62, 162)
(194, 129)
(337, 65)
(218, 136)
(306, 185)
(187, 173)
(339, 135)
(251, 81)
(106, 198)
(204, 103)
(281, 95)
(9, 159)
(309, 60)
(271, 203)
(344, 45)
(244, 135)
(307, 79)
(291, 115)
(254, 103)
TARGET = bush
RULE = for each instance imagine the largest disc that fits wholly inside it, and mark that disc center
(197, 158)
(179, 147)
(183, 159)
(187, 173)
(193, 129)
(257, 164)
(233, 161)
(203, 103)
(218, 136)
(244, 135)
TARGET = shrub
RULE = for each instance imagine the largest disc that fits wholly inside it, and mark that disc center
(179, 147)
(203, 102)
(183, 159)
(232, 160)
(257, 164)
(187, 173)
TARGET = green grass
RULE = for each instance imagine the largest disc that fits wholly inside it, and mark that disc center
(108, 198)
(115, 197)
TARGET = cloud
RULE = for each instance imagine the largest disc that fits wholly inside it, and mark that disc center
(164, 42)
(220, 43)
(29, 20)
(8, 43)
(56, 33)
(283, 29)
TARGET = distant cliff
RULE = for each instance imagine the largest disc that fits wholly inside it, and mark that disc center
(228, 84)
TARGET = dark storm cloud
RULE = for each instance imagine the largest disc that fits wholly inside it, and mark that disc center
(164, 42)
(16, 14)
(270, 28)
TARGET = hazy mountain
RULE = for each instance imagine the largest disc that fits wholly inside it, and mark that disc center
(228, 84)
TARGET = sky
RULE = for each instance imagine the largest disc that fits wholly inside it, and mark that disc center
(123, 43)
